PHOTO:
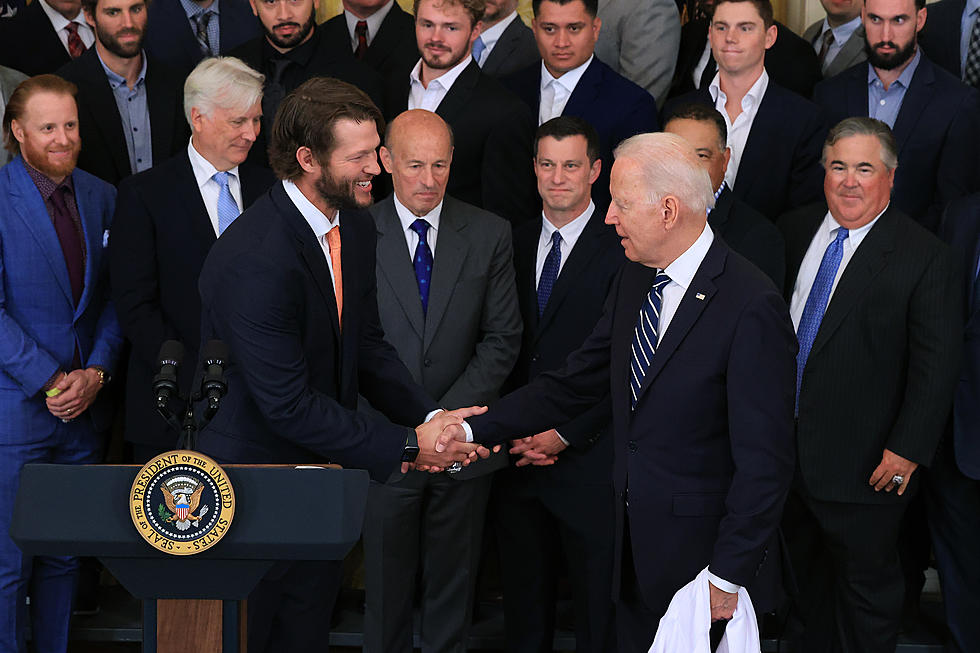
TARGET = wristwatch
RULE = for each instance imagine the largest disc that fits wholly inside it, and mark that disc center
(411, 450)
(103, 377)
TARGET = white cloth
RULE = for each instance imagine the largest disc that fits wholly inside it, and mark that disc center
(738, 131)
(681, 272)
(431, 96)
(686, 624)
(319, 223)
(59, 22)
(407, 218)
(203, 174)
(373, 23)
(492, 34)
(555, 91)
(569, 236)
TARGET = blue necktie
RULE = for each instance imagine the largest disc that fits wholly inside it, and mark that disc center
(227, 207)
(422, 262)
(645, 335)
(478, 47)
(549, 273)
(816, 304)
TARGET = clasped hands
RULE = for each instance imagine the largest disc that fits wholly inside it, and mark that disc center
(442, 441)
(78, 389)
(538, 450)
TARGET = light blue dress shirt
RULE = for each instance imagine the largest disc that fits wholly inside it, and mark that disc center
(966, 27)
(192, 9)
(885, 105)
(135, 116)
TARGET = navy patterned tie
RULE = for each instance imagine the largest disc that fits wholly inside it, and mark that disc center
(646, 334)
(422, 262)
(549, 273)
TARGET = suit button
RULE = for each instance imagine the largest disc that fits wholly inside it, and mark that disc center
(427, 362)
(631, 446)
(536, 358)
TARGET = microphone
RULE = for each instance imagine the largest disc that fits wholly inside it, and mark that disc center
(213, 385)
(165, 382)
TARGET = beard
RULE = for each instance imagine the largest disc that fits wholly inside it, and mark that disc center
(892, 61)
(112, 44)
(450, 61)
(39, 161)
(290, 42)
(338, 193)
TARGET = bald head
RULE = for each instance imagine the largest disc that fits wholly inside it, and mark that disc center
(417, 152)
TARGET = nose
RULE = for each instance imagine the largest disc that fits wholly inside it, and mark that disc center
(427, 178)
(372, 167)
(611, 216)
(850, 178)
(127, 19)
(561, 39)
(558, 175)
(282, 12)
(251, 130)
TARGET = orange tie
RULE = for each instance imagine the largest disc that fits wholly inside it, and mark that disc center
(333, 242)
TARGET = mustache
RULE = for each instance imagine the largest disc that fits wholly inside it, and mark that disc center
(885, 44)
(278, 25)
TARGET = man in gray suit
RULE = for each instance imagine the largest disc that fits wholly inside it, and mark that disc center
(505, 44)
(639, 39)
(448, 304)
(838, 39)
(9, 79)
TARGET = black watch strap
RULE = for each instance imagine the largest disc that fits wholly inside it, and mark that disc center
(411, 450)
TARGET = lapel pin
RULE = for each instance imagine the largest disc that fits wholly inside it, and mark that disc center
(700, 296)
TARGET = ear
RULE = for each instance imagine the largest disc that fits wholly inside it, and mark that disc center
(920, 19)
(727, 155)
(771, 34)
(671, 209)
(306, 160)
(596, 26)
(197, 119)
(17, 130)
(89, 19)
(252, 4)
(595, 170)
(386, 160)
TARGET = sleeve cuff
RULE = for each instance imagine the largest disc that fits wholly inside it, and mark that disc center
(466, 427)
(563, 440)
(723, 584)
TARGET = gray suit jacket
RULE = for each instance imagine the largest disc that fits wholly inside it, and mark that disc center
(462, 350)
(639, 39)
(514, 50)
(9, 79)
(850, 55)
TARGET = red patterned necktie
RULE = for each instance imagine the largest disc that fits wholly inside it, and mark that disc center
(360, 31)
(75, 45)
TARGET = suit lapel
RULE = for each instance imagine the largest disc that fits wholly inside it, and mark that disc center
(457, 99)
(797, 243)
(161, 110)
(853, 47)
(447, 265)
(396, 265)
(194, 209)
(525, 258)
(914, 103)
(586, 92)
(92, 233)
(578, 261)
(104, 113)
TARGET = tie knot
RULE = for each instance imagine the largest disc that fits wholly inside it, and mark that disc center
(420, 227)
(72, 28)
(360, 29)
(220, 178)
(842, 234)
(828, 37)
(555, 238)
(333, 239)
(661, 280)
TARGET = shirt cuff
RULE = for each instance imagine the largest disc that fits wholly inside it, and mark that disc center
(466, 427)
(563, 440)
(723, 584)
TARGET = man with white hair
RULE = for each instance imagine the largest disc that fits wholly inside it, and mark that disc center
(167, 218)
(696, 351)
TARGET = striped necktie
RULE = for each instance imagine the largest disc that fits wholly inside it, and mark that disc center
(646, 335)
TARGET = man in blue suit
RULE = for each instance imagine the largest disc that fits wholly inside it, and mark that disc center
(58, 335)
(572, 81)
(182, 32)
(696, 351)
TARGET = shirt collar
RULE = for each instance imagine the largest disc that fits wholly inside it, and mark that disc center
(406, 217)
(115, 81)
(842, 32)
(317, 221)
(752, 98)
(682, 270)
(492, 34)
(45, 185)
(569, 80)
(192, 9)
(972, 6)
(905, 78)
(571, 231)
(203, 169)
(59, 22)
(854, 235)
(373, 21)
(447, 79)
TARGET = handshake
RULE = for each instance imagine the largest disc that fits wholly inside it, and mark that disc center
(442, 442)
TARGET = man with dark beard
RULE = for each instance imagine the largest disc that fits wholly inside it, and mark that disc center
(129, 106)
(935, 117)
(291, 50)
(290, 288)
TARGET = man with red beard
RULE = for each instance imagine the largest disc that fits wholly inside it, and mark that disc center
(58, 336)
(130, 113)
(290, 288)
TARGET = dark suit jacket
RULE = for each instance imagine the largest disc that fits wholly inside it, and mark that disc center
(160, 237)
(28, 43)
(171, 40)
(393, 50)
(573, 309)
(104, 152)
(295, 375)
(883, 365)
(493, 132)
(615, 106)
(961, 229)
(791, 61)
(751, 234)
(707, 455)
(940, 38)
(780, 167)
(936, 132)
(514, 50)
(850, 54)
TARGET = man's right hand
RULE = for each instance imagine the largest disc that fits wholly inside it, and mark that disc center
(442, 441)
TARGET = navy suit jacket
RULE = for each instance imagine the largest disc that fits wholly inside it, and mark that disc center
(161, 235)
(514, 50)
(40, 325)
(171, 40)
(751, 234)
(780, 167)
(940, 38)
(936, 132)
(614, 105)
(28, 43)
(393, 50)
(294, 376)
(961, 230)
(707, 456)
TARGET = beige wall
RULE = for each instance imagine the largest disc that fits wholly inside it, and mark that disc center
(330, 8)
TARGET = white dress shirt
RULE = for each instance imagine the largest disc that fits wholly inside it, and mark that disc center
(491, 35)
(318, 222)
(702, 64)
(556, 91)
(841, 35)
(210, 189)
(59, 23)
(429, 98)
(406, 217)
(373, 23)
(681, 272)
(738, 131)
(826, 233)
(569, 236)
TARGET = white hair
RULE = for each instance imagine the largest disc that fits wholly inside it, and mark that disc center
(670, 166)
(224, 82)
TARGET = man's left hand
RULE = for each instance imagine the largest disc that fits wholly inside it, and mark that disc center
(541, 449)
(891, 465)
(78, 391)
(723, 604)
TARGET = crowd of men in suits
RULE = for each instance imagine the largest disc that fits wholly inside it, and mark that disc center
(748, 343)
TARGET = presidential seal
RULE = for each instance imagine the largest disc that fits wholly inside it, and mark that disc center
(182, 502)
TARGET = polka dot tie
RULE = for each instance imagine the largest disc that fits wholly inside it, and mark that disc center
(422, 262)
